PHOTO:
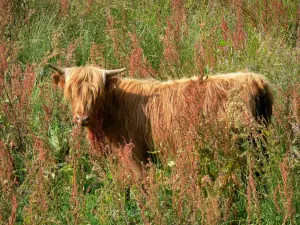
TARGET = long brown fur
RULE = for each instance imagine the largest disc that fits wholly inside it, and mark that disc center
(148, 112)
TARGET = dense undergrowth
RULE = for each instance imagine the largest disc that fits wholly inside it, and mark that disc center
(50, 175)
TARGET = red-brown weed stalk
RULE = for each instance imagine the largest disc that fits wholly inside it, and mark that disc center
(252, 194)
(6, 14)
(139, 66)
(96, 55)
(38, 204)
(64, 8)
(76, 194)
(175, 31)
(114, 34)
(8, 181)
(289, 209)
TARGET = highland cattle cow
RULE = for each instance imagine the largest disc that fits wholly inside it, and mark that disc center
(149, 112)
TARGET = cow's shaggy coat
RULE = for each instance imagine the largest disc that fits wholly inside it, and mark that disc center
(149, 112)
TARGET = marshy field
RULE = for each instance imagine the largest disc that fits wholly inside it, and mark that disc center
(50, 174)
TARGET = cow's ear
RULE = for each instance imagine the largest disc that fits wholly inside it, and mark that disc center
(59, 80)
(111, 78)
(59, 77)
(112, 82)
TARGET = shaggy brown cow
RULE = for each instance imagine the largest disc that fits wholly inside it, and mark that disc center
(148, 112)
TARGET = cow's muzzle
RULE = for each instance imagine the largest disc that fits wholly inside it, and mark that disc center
(82, 120)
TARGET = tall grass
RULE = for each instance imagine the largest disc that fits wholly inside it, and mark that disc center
(49, 174)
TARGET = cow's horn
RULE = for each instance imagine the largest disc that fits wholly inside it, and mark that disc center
(56, 68)
(109, 73)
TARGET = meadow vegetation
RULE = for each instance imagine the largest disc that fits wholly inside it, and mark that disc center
(50, 175)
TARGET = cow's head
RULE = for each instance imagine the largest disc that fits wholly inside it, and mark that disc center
(85, 88)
